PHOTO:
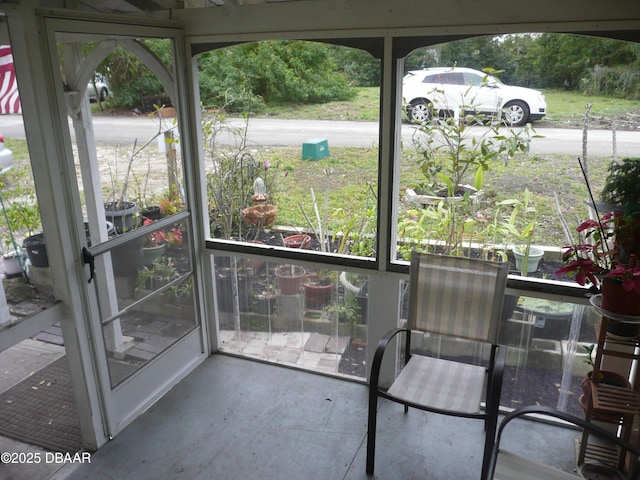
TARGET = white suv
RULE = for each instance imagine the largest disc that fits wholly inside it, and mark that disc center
(449, 90)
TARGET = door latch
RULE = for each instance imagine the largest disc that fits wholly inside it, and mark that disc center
(89, 259)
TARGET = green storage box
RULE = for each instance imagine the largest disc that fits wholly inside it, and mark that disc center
(315, 149)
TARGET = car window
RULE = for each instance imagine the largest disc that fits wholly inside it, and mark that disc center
(472, 80)
(444, 78)
(432, 78)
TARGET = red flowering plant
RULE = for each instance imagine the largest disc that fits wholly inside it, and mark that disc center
(612, 252)
(174, 237)
(154, 239)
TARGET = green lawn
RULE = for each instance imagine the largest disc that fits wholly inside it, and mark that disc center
(349, 175)
(564, 190)
(564, 108)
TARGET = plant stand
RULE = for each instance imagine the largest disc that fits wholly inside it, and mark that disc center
(619, 404)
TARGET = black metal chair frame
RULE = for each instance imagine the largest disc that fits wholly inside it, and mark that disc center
(579, 422)
(493, 388)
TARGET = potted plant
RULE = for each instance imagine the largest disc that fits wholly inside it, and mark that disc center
(621, 192)
(598, 263)
(25, 217)
(266, 301)
(317, 288)
(152, 245)
(237, 180)
(160, 273)
(290, 278)
(607, 255)
(171, 203)
(604, 376)
(13, 257)
(13, 261)
(450, 159)
(597, 260)
(297, 241)
(119, 210)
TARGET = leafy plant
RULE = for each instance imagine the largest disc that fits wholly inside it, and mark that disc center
(183, 291)
(591, 263)
(622, 184)
(433, 228)
(320, 228)
(154, 239)
(448, 154)
(171, 203)
(610, 248)
(24, 216)
(357, 233)
(119, 188)
(160, 273)
(234, 171)
(588, 359)
(348, 311)
(511, 229)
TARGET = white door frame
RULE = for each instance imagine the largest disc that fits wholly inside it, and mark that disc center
(103, 411)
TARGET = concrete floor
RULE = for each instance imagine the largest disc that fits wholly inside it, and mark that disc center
(238, 419)
(16, 364)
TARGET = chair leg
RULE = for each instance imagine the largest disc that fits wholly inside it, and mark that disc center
(490, 436)
(371, 429)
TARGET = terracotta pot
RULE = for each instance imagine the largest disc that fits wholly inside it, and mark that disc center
(297, 241)
(260, 215)
(289, 278)
(610, 378)
(617, 300)
(316, 294)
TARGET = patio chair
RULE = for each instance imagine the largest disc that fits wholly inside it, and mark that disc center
(507, 465)
(455, 297)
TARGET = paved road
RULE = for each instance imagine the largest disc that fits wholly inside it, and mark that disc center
(275, 132)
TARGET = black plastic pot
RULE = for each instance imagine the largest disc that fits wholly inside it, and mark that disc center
(152, 212)
(127, 259)
(36, 250)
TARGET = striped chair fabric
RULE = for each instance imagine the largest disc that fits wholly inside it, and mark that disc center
(457, 297)
(460, 297)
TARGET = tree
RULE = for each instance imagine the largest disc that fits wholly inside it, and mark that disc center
(420, 58)
(563, 60)
(478, 53)
(359, 66)
(274, 71)
(130, 79)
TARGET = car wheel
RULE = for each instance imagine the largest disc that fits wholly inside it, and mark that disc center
(103, 94)
(516, 113)
(419, 111)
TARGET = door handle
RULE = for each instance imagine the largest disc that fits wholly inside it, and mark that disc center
(89, 259)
